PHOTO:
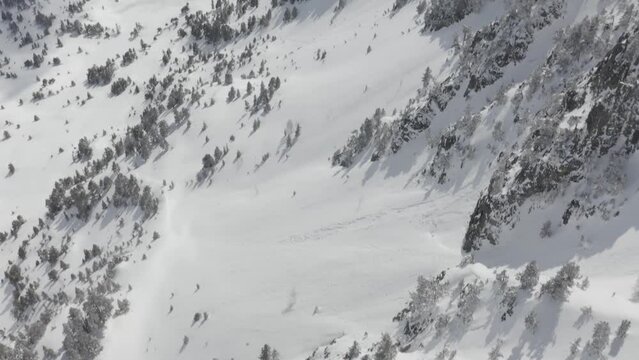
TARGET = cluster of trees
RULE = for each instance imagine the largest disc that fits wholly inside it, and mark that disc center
(25, 298)
(26, 39)
(83, 330)
(101, 74)
(44, 21)
(209, 162)
(84, 151)
(93, 30)
(71, 194)
(385, 349)
(558, 287)
(424, 312)
(262, 101)
(37, 96)
(56, 201)
(289, 14)
(595, 347)
(577, 43)
(68, 27)
(599, 341)
(166, 56)
(35, 61)
(232, 95)
(129, 57)
(212, 29)
(84, 327)
(529, 278)
(142, 138)
(13, 26)
(468, 301)
(268, 353)
(6, 15)
(26, 341)
(353, 352)
(423, 309)
(214, 26)
(119, 86)
(84, 200)
(482, 57)
(176, 97)
(77, 28)
(90, 254)
(127, 193)
(454, 141)
(76, 7)
(16, 225)
(398, 4)
(486, 52)
(153, 83)
(49, 255)
(442, 13)
(291, 134)
(242, 6)
(372, 129)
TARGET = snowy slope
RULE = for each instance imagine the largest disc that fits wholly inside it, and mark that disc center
(288, 249)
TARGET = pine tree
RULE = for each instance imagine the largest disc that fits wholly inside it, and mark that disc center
(559, 286)
(468, 302)
(119, 86)
(265, 353)
(231, 95)
(386, 350)
(84, 150)
(228, 79)
(268, 353)
(622, 330)
(353, 352)
(600, 339)
(443, 13)
(427, 77)
(531, 322)
(495, 353)
(529, 277)
(424, 299)
(508, 302)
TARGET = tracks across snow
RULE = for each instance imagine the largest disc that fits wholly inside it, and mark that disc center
(424, 215)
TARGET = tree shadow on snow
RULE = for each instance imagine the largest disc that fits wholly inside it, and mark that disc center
(522, 243)
(615, 346)
(547, 311)
(501, 324)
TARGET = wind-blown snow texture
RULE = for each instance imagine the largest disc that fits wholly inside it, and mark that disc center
(193, 181)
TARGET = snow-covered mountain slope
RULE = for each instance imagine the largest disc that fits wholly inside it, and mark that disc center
(197, 180)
